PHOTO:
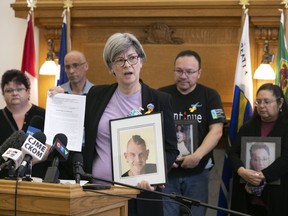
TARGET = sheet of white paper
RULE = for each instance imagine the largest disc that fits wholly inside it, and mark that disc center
(65, 114)
(64, 181)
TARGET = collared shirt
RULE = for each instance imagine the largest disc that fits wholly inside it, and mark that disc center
(67, 87)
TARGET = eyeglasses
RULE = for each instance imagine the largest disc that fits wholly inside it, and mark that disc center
(187, 72)
(73, 66)
(260, 159)
(11, 91)
(264, 102)
(132, 60)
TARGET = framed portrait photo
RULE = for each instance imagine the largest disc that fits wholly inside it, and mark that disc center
(257, 153)
(138, 149)
(187, 136)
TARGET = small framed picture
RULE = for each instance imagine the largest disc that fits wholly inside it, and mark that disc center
(257, 153)
(187, 136)
(138, 149)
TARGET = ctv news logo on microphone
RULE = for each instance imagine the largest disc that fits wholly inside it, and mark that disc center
(62, 149)
(33, 147)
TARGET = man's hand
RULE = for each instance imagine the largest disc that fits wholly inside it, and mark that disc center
(189, 161)
(55, 90)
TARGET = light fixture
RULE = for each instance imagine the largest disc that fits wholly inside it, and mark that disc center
(265, 71)
(49, 67)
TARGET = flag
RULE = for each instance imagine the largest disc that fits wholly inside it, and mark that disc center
(241, 108)
(63, 51)
(29, 60)
(282, 58)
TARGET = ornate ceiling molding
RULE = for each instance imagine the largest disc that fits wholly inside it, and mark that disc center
(160, 33)
(266, 33)
(48, 12)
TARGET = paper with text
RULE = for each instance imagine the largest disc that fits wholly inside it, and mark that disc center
(65, 114)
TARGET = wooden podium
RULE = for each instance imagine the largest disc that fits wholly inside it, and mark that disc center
(58, 199)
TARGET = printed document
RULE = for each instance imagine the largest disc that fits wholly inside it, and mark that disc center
(65, 114)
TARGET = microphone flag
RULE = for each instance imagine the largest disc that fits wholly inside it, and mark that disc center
(34, 148)
(36, 125)
(33, 151)
(58, 152)
(12, 157)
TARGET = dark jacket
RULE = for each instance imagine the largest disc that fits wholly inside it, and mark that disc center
(275, 196)
(96, 101)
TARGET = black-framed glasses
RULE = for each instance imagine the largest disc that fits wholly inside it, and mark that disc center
(187, 72)
(17, 90)
(265, 102)
(132, 60)
(73, 66)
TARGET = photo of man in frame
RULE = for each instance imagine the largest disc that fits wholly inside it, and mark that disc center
(136, 156)
(138, 151)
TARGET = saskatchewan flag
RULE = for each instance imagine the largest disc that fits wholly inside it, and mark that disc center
(282, 60)
(241, 110)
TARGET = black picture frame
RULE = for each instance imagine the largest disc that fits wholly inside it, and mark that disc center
(189, 129)
(150, 129)
(268, 149)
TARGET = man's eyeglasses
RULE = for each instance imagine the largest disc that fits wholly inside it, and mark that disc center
(187, 72)
(73, 66)
(264, 102)
(132, 60)
(11, 91)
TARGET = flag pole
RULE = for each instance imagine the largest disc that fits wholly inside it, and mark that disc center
(285, 18)
(31, 4)
(282, 55)
(68, 16)
(244, 11)
(28, 65)
(245, 84)
(68, 4)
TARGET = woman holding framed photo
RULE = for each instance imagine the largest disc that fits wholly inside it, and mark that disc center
(124, 57)
(256, 196)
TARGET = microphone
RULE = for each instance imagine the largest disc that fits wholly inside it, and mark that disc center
(16, 140)
(36, 125)
(77, 166)
(33, 150)
(13, 158)
(58, 152)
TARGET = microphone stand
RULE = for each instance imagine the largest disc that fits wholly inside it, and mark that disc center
(11, 172)
(178, 198)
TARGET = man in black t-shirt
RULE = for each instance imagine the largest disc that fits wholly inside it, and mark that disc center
(193, 102)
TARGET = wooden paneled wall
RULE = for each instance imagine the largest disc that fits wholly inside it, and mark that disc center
(165, 27)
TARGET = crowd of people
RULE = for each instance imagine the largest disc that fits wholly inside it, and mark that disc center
(187, 169)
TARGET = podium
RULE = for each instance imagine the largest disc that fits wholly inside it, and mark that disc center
(58, 199)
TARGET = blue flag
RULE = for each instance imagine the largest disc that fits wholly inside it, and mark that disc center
(63, 51)
(241, 108)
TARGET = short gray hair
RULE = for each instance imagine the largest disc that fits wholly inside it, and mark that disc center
(118, 43)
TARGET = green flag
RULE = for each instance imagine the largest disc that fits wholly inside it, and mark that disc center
(282, 60)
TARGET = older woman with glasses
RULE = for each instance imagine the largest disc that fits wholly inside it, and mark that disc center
(257, 196)
(124, 57)
(19, 110)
